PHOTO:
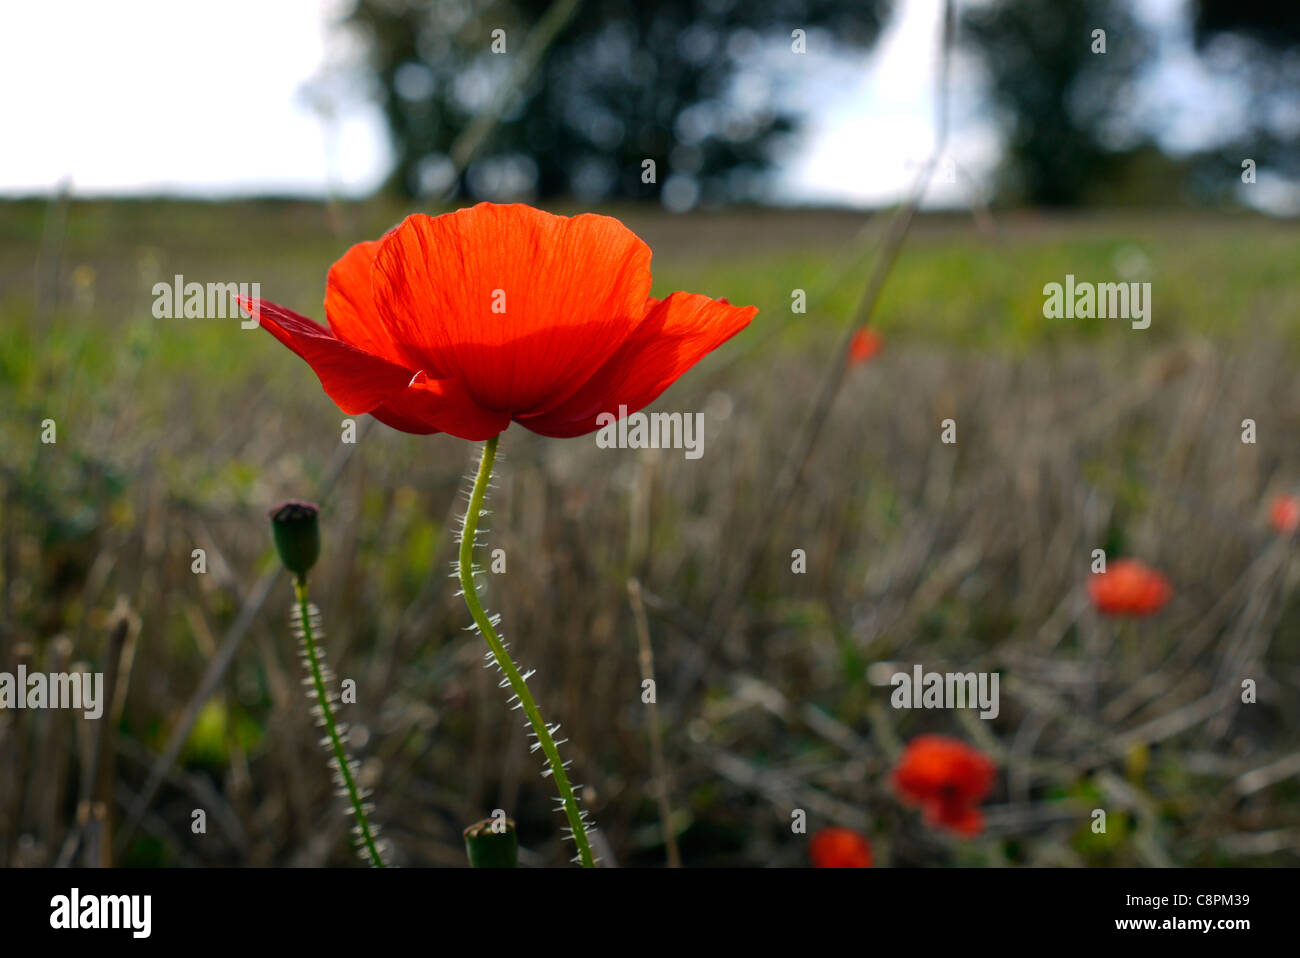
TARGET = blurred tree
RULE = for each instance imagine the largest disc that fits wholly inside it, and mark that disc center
(679, 82)
(1267, 22)
(1256, 42)
(1065, 107)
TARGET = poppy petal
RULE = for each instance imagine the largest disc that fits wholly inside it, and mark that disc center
(439, 405)
(1129, 588)
(350, 305)
(518, 304)
(960, 817)
(837, 847)
(356, 380)
(676, 333)
(396, 417)
(938, 768)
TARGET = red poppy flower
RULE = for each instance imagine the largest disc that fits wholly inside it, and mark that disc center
(948, 779)
(1129, 588)
(839, 848)
(464, 322)
(1284, 514)
(866, 343)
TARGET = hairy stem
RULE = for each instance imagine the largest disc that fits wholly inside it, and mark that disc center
(540, 729)
(344, 764)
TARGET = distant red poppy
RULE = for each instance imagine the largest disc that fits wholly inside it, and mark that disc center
(1129, 588)
(866, 343)
(837, 847)
(948, 779)
(1284, 514)
(465, 322)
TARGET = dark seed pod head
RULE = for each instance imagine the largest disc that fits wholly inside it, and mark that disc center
(297, 535)
(492, 843)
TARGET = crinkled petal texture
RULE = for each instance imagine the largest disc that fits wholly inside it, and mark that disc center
(673, 336)
(464, 322)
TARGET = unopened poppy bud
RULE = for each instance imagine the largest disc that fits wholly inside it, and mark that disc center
(492, 843)
(297, 535)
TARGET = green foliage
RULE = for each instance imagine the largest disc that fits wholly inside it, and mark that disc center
(220, 728)
(1061, 99)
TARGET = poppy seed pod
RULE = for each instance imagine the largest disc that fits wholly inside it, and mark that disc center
(492, 843)
(297, 535)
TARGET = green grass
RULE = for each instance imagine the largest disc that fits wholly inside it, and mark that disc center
(953, 286)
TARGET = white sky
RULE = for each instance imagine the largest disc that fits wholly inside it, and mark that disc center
(172, 95)
(148, 96)
(870, 123)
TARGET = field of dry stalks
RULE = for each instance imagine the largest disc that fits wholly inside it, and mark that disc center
(178, 435)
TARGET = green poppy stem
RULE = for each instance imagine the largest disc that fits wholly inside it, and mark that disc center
(503, 660)
(313, 655)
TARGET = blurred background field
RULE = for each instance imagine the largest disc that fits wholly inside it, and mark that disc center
(788, 142)
(178, 434)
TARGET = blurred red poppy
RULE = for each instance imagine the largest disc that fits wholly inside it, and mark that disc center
(1129, 588)
(866, 343)
(464, 322)
(1284, 514)
(837, 847)
(948, 779)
